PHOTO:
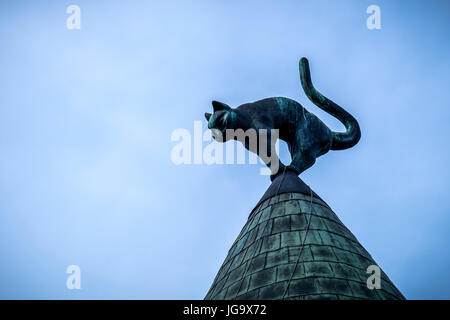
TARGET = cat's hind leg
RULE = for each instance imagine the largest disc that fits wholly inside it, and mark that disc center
(301, 162)
(307, 145)
(302, 154)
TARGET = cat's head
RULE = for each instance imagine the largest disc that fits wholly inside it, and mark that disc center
(223, 118)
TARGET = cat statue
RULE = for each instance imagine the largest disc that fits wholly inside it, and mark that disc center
(306, 135)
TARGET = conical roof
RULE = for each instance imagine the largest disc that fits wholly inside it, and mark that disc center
(294, 246)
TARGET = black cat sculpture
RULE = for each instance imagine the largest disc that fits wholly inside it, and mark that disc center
(306, 135)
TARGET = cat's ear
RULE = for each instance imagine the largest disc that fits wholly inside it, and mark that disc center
(217, 106)
(207, 116)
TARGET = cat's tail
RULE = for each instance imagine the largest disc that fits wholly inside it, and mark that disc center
(341, 140)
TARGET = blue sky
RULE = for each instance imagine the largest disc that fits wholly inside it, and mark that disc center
(86, 117)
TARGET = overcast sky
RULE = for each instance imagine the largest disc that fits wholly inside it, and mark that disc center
(86, 117)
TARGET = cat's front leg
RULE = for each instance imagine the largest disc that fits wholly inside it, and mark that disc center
(267, 150)
(301, 162)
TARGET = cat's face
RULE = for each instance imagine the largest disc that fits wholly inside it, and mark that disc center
(222, 119)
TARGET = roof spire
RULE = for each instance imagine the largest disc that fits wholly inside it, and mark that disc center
(294, 246)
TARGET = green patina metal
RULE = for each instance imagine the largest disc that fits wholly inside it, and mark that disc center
(279, 255)
(293, 245)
